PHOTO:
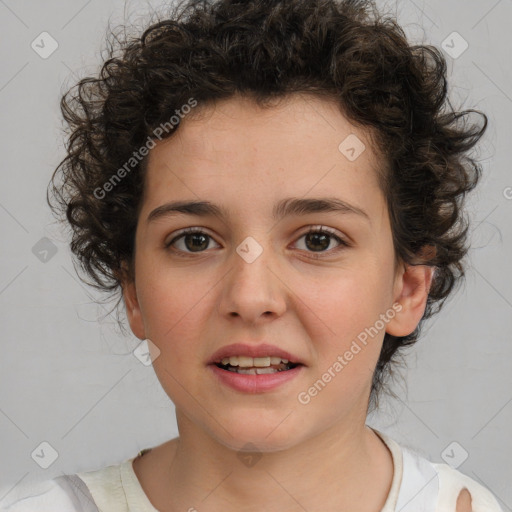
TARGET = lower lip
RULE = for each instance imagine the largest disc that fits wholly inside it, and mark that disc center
(255, 383)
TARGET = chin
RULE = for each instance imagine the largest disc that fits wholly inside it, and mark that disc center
(269, 436)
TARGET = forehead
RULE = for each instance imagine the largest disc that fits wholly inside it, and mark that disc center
(282, 122)
(236, 151)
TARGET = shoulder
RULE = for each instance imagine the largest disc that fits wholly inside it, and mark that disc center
(62, 494)
(427, 487)
(462, 493)
(106, 487)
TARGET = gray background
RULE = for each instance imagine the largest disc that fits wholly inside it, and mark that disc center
(69, 378)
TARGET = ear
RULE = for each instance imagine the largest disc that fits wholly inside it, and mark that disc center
(133, 311)
(412, 285)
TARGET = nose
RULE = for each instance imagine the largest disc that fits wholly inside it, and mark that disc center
(253, 290)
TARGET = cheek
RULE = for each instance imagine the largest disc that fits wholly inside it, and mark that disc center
(172, 304)
(340, 319)
(342, 304)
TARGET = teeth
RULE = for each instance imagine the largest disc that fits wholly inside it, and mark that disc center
(250, 362)
(255, 371)
(259, 361)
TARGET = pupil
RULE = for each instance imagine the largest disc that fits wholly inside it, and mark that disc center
(196, 236)
(320, 241)
(316, 236)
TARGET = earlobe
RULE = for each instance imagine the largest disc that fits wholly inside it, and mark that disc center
(133, 311)
(412, 287)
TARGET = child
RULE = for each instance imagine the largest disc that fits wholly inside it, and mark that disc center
(309, 149)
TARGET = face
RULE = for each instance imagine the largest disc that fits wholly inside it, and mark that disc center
(308, 282)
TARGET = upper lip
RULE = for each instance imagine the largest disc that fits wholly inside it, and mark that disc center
(260, 350)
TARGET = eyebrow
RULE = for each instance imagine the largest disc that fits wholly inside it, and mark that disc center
(285, 207)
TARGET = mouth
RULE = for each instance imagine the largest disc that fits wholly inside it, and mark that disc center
(256, 366)
(255, 375)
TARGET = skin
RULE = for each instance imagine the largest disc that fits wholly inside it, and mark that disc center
(464, 501)
(245, 158)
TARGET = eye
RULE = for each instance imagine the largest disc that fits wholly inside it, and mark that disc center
(318, 239)
(193, 238)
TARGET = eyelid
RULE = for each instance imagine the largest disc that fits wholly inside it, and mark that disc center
(187, 231)
(342, 241)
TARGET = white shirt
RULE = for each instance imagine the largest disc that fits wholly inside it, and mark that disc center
(418, 485)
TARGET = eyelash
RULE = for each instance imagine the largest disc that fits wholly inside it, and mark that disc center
(313, 229)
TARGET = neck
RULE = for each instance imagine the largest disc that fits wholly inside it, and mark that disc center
(333, 469)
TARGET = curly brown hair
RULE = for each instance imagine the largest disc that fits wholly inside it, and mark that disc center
(267, 49)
